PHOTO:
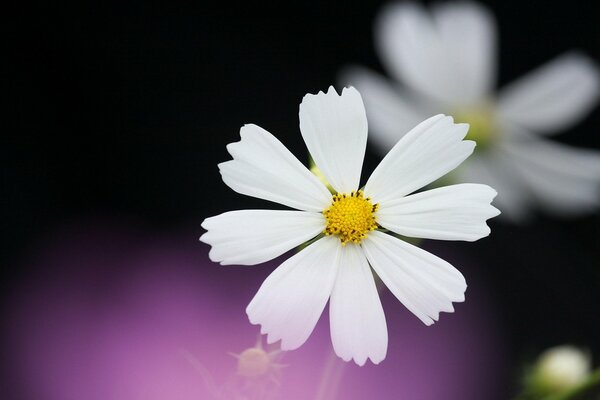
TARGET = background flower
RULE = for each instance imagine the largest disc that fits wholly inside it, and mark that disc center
(446, 58)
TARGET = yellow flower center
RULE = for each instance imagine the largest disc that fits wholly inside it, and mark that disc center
(482, 126)
(351, 217)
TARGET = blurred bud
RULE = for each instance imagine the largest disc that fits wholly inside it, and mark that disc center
(253, 363)
(257, 363)
(561, 368)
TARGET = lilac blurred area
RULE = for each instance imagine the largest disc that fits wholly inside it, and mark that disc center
(107, 312)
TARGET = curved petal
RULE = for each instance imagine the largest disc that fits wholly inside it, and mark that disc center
(456, 212)
(563, 179)
(430, 150)
(424, 283)
(251, 237)
(262, 167)
(496, 169)
(554, 96)
(334, 128)
(448, 56)
(390, 111)
(468, 31)
(358, 328)
(291, 299)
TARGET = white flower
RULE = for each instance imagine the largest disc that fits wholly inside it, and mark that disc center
(348, 225)
(447, 61)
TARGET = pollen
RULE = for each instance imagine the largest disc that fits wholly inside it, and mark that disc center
(351, 217)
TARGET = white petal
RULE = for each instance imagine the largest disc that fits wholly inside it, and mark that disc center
(468, 31)
(430, 150)
(262, 167)
(390, 111)
(291, 299)
(448, 56)
(358, 328)
(496, 168)
(334, 128)
(562, 179)
(424, 283)
(554, 96)
(251, 237)
(456, 212)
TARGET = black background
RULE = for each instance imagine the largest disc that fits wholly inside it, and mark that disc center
(124, 112)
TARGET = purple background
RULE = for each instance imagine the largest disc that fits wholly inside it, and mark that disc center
(108, 310)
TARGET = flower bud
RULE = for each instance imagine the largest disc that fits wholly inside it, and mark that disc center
(253, 363)
(561, 368)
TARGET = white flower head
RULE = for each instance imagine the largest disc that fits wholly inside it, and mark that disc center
(446, 60)
(348, 229)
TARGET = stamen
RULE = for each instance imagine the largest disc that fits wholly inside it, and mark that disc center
(350, 217)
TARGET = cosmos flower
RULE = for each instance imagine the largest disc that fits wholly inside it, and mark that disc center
(447, 61)
(351, 230)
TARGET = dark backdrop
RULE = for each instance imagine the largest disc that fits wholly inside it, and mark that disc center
(125, 111)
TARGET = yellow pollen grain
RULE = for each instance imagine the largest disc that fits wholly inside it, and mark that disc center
(350, 217)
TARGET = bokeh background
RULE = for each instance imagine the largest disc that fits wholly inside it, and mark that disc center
(117, 117)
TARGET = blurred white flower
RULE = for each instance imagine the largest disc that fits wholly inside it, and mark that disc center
(561, 368)
(349, 227)
(447, 61)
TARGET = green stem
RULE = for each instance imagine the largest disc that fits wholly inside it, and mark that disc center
(525, 395)
(330, 378)
(593, 382)
(311, 241)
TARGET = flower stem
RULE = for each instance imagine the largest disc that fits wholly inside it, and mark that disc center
(588, 387)
(330, 378)
(334, 367)
(580, 392)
